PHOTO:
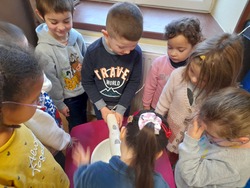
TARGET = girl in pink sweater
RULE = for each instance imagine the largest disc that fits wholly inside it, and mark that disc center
(182, 35)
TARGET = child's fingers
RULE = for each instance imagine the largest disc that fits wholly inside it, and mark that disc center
(87, 154)
(80, 156)
(195, 130)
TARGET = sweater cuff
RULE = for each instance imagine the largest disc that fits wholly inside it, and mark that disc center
(100, 104)
(60, 105)
(120, 109)
(191, 142)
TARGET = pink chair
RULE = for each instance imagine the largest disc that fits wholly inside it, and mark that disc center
(92, 133)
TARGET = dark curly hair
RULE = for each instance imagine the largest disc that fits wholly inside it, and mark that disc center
(188, 27)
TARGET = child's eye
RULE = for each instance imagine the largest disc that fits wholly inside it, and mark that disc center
(53, 23)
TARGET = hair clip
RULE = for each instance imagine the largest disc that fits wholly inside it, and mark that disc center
(150, 117)
(167, 131)
(202, 57)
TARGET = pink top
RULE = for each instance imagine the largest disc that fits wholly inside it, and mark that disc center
(157, 77)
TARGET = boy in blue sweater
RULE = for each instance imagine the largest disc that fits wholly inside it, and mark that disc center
(112, 66)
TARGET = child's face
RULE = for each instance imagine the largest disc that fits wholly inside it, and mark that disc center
(120, 46)
(179, 48)
(59, 24)
(211, 133)
(15, 114)
(194, 74)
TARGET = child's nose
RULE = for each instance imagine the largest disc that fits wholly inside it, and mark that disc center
(62, 27)
(173, 53)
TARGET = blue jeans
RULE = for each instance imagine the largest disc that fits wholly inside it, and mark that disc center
(98, 113)
(77, 110)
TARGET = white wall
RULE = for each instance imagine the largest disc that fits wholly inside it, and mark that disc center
(227, 13)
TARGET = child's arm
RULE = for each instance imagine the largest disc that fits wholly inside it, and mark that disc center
(119, 119)
(80, 156)
(56, 92)
(47, 131)
(65, 111)
(166, 96)
(131, 86)
(198, 170)
(89, 84)
(150, 86)
(105, 111)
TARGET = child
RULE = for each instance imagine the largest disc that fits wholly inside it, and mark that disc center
(25, 162)
(41, 124)
(142, 142)
(216, 149)
(59, 47)
(113, 64)
(182, 36)
(13, 33)
(214, 64)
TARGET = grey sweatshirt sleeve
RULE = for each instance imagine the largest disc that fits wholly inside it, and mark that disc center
(197, 170)
(56, 92)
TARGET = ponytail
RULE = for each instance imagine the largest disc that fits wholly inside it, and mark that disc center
(146, 144)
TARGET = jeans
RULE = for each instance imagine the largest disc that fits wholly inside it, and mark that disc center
(77, 110)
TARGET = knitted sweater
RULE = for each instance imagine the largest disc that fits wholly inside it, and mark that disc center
(174, 102)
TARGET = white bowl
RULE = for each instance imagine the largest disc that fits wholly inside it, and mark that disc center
(101, 152)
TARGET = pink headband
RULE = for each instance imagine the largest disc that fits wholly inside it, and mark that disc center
(148, 117)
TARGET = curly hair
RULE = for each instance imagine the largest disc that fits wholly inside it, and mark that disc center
(188, 27)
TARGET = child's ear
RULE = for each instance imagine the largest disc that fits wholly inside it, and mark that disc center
(158, 155)
(105, 33)
(123, 133)
(39, 15)
(244, 140)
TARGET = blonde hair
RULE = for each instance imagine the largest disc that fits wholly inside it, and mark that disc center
(220, 59)
(125, 20)
(230, 110)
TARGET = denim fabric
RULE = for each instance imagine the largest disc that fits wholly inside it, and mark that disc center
(109, 175)
(77, 110)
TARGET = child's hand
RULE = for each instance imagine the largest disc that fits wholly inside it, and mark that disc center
(195, 130)
(119, 118)
(79, 67)
(73, 141)
(105, 111)
(65, 111)
(80, 156)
